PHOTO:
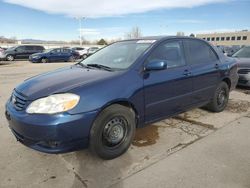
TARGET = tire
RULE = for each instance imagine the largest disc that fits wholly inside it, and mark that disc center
(10, 58)
(220, 99)
(44, 60)
(84, 56)
(112, 132)
(71, 59)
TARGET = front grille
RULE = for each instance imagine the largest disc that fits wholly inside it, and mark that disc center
(244, 71)
(18, 100)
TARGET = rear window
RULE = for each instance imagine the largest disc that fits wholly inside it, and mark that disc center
(199, 52)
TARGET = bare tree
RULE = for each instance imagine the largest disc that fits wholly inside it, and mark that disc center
(134, 33)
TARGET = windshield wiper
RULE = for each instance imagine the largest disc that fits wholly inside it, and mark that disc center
(99, 66)
(82, 65)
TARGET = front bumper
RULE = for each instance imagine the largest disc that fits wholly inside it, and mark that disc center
(34, 60)
(57, 133)
(244, 80)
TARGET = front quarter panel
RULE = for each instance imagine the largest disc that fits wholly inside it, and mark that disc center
(126, 86)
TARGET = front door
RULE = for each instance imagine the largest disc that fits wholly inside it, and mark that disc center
(168, 91)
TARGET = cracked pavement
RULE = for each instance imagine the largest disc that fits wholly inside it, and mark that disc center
(24, 167)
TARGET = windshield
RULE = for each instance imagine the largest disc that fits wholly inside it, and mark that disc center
(119, 55)
(243, 53)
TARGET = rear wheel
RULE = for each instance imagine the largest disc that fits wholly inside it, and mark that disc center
(112, 132)
(44, 60)
(10, 58)
(220, 98)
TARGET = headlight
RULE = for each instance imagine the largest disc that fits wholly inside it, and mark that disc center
(53, 104)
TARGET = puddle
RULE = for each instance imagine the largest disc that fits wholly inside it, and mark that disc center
(146, 136)
(238, 106)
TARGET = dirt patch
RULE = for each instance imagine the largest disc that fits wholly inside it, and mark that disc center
(146, 136)
(238, 106)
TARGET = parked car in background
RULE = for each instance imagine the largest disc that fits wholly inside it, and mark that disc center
(100, 101)
(243, 59)
(21, 52)
(54, 55)
(82, 51)
(92, 50)
(2, 52)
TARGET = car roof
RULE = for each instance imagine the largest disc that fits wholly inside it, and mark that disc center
(160, 38)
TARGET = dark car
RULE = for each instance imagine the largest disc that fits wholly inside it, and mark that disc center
(100, 101)
(54, 55)
(243, 59)
(20, 52)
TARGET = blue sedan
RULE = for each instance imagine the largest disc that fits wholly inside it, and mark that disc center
(54, 55)
(100, 101)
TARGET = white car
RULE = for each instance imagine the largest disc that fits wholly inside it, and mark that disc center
(83, 51)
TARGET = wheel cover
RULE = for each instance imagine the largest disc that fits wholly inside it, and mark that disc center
(114, 132)
(222, 97)
(44, 60)
(10, 58)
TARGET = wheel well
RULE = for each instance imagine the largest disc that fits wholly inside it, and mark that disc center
(228, 82)
(130, 106)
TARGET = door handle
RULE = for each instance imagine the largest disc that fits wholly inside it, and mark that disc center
(187, 73)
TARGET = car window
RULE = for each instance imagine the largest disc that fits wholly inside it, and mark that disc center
(171, 52)
(199, 52)
(40, 48)
(20, 49)
(66, 50)
(79, 48)
(56, 51)
(243, 53)
(29, 48)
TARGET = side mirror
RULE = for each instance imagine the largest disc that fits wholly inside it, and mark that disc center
(156, 65)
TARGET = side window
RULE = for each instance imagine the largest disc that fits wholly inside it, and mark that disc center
(171, 52)
(20, 49)
(199, 52)
(56, 51)
(29, 48)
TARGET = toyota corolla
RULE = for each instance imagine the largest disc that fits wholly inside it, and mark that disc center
(100, 101)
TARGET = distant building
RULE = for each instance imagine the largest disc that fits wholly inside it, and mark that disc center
(228, 38)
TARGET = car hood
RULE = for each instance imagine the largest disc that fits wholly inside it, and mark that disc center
(243, 62)
(61, 80)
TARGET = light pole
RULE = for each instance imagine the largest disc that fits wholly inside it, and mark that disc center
(80, 27)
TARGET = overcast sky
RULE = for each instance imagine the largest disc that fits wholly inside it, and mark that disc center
(55, 19)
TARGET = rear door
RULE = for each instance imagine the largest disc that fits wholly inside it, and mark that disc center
(167, 91)
(29, 50)
(204, 64)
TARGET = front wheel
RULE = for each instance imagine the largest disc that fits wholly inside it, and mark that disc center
(220, 99)
(10, 58)
(112, 131)
(44, 60)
